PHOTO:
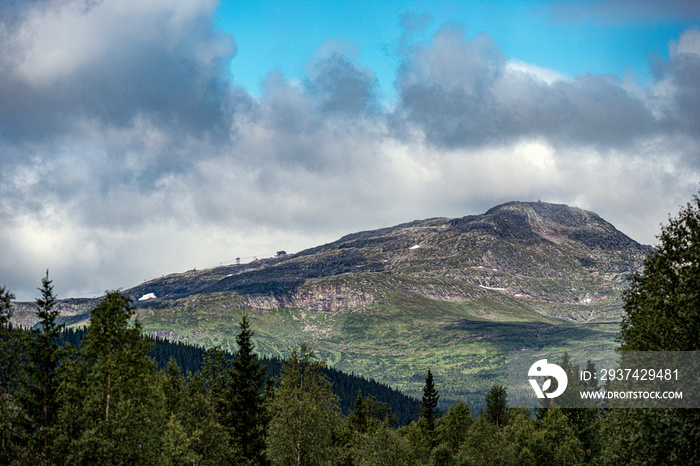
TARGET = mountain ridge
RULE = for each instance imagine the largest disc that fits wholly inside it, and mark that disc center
(388, 251)
(514, 221)
(454, 295)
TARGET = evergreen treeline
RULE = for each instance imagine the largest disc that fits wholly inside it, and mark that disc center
(100, 397)
(189, 359)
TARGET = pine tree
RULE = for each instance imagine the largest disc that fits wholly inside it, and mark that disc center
(429, 401)
(113, 408)
(247, 417)
(40, 398)
(305, 414)
(497, 405)
(358, 416)
(215, 370)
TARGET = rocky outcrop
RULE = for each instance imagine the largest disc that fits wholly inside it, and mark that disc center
(315, 297)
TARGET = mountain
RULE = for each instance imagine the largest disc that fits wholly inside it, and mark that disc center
(453, 295)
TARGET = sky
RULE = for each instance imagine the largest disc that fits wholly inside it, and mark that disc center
(139, 139)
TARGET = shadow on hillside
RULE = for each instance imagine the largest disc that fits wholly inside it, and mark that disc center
(516, 336)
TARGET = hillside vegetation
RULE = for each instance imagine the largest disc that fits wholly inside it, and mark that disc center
(450, 295)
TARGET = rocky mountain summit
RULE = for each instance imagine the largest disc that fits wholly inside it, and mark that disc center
(535, 251)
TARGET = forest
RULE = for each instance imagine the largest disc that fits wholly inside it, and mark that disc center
(109, 395)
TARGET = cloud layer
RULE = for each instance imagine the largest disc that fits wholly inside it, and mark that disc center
(128, 151)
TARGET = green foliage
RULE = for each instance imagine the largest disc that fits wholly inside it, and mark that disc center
(555, 441)
(382, 446)
(215, 369)
(113, 406)
(442, 455)
(207, 439)
(429, 402)
(173, 388)
(39, 399)
(662, 313)
(12, 366)
(177, 450)
(420, 439)
(452, 427)
(5, 306)
(497, 405)
(521, 434)
(662, 304)
(584, 415)
(523, 441)
(651, 436)
(486, 445)
(246, 415)
(358, 418)
(305, 414)
(368, 412)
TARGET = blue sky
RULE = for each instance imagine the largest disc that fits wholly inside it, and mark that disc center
(568, 38)
(141, 138)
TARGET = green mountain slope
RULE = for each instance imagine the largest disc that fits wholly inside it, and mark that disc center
(453, 295)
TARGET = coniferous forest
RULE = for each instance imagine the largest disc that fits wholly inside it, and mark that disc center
(109, 395)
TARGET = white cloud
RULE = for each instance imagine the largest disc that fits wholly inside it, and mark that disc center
(128, 154)
(689, 42)
(543, 74)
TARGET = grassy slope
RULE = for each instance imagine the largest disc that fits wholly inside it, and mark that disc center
(398, 337)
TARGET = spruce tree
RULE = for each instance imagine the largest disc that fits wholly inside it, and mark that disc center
(247, 416)
(40, 398)
(216, 374)
(358, 416)
(429, 401)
